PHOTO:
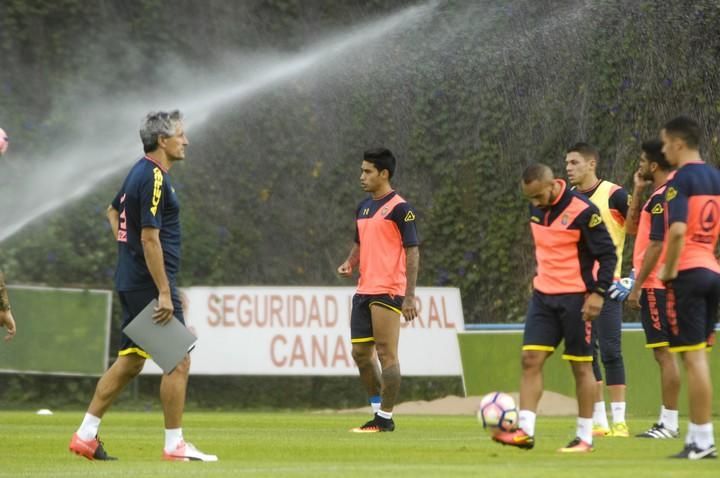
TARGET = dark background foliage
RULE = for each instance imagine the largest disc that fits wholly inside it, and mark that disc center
(269, 187)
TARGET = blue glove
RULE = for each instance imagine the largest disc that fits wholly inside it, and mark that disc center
(620, 289)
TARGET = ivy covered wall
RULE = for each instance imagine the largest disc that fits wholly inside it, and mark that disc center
(466, 99)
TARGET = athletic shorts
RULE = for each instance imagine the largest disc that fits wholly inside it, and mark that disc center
(692, 306)
(653, 315)
(553, 318)
(132, 303)
(361, 320)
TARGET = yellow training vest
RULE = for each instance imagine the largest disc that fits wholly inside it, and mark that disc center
(614, 225)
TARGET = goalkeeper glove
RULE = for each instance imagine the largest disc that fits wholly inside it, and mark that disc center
(620, 289)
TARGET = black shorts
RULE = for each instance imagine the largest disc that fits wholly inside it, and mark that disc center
(692, 306)
(133, 302)
(361, 320)
(553, 318)
(653, 315)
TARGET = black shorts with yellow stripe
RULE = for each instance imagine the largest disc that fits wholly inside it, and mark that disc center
(557, 317)
(132, 303)
(653, 315)
(361, 329)
(692, 299)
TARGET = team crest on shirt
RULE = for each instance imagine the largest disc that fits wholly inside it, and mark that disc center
(384, 211)
(670, 194)
(565, 219)
(657, 209)
(595, 219)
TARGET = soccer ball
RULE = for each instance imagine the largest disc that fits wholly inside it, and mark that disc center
(4, 141)
(498, 412)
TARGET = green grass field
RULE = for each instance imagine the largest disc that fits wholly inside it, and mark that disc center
(312, 444)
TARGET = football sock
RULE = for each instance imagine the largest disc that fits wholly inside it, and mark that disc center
(690, 437)
(526, 422)
(704, 435)
(375, 403)
(669, 418)
(618, 412)
(89, 427)
(584, 429)
(173, 437)
(599, 417)
(384, 414)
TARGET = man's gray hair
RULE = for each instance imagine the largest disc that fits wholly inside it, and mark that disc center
(156, 124)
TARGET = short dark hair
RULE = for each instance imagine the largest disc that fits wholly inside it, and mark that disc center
(381, 158)
(653, 152)
(585, 150)
(536, 172)
(685, 128)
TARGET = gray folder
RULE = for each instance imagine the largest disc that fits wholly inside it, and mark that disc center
(167, 344)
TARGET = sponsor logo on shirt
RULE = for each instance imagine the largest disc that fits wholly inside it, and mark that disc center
(157, 190)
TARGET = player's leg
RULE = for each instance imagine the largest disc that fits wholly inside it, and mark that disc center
(386, 328)
(578, 351)
(130, 361)
(543, 332)
(690, 305)
(173, 389)
(609, 327)
(653, 316)
(363, 349)
(601, 426)
(364, 352)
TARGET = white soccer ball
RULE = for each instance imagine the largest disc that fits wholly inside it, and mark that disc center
(497, 411)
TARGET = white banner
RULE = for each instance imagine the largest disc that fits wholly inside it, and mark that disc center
(306, 331)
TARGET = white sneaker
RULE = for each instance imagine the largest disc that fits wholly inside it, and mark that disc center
(187, 452)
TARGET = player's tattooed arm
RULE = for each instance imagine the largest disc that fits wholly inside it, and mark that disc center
(4, 300)
(412, 265)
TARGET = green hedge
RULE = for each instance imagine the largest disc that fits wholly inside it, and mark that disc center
(466, 99)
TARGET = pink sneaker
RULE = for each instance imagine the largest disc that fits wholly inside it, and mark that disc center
(516, 438)
(187, 452)
(91, 449)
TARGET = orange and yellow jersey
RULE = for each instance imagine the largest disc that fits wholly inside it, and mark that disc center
(651, 227)
(569, 237)
(693, 198)
(384, 228)
(612, 201)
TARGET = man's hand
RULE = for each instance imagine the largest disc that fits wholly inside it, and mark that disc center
(164, 310)
(592, 306)
(7, 321)
(408, 308)
(633, 299)
(345, 269)
(639, 182)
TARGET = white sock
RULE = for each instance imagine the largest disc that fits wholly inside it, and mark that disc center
(690, 437)
(704, 435)
(173, 437)
(375, 402)
(584, 429)
(384, 414)
(618, 412)
(526, 422)
(89, 427)
(669, 419)
(599, 417)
